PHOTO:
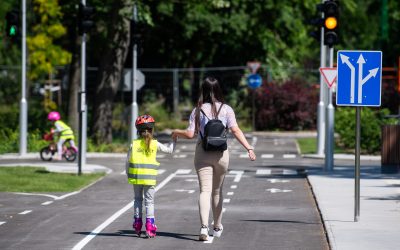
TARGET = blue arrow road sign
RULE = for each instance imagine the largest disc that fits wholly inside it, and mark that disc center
(359, 78)
(254, 81)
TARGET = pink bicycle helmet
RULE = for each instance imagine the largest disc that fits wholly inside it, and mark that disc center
(53, 116)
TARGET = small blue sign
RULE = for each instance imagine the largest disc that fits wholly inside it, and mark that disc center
(359, 78)
(254, 81)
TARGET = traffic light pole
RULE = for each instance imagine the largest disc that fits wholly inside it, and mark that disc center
(330, 116)
(23, 116)
(134, 105)
(82, 107)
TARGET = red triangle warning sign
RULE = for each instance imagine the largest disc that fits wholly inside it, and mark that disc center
(329, 75)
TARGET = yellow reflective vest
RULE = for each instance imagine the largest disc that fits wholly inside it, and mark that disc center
(66, 132)
(143, 167)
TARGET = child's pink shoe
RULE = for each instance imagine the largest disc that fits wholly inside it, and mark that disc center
(151, 228)
(137, 225)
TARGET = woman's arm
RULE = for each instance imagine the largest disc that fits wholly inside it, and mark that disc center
(237, 132)
(187, 134)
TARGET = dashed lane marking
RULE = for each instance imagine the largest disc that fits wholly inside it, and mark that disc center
(229, 193)
(226, 200)
(2, 222)
(289, 172)
(238, 173)
(183, 171)
(47, 203)
(160, 156)
(289, 156)
(25, 212)
(277, 190)
(278, 181)
(267, 156)
(233, 186)
(264, 171)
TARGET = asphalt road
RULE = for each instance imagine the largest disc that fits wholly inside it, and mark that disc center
(268, 204)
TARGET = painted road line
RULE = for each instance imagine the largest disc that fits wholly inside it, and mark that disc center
(278, 181)
(289, 172)
(177, 151)
(289, 156)
(233, 186)
(25, 212)
(267, 156)
(160, 156)
(264, 171)
(183, 147)
(277, 190)
(2, 222)
(189, 191)
(183, 171)
(192, 180)
(47, 203)
(179, 156)
(243, 156)
(229, 193)
(226, 200)
(100, 228)
(161, 171)
(238, 174)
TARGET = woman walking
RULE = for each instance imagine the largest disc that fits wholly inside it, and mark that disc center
(211, 166)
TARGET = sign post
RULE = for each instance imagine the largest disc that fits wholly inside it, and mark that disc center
(254, 81)
(359, 83)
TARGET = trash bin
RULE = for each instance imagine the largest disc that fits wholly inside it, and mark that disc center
(390, 149)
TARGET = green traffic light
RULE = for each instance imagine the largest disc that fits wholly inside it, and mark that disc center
(13, 31)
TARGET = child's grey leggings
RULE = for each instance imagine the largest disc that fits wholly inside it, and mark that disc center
(148, 193)
(211, 168)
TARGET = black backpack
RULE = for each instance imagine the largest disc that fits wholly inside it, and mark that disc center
(214, 138)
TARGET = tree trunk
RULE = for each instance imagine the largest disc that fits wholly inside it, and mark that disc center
(74, 86)
(108, 78)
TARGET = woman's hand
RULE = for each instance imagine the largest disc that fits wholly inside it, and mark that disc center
(182, 133)
(252, 155)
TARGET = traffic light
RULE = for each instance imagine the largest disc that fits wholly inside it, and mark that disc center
(317, 22)
(13, 24)
(331, 17)
(136, 31)
(85, 18)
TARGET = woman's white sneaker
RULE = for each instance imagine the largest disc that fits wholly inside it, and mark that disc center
(203, 233)
(218, 231)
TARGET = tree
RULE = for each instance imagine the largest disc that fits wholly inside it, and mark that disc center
(44, 54)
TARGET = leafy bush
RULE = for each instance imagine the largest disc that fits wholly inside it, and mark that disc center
(291, 105)
(10, 141)
(371, 121)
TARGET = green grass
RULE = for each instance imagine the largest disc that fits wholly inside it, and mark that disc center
(38, 179)
(309, 146)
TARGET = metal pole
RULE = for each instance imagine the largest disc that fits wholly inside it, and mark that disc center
(83, 108)
(134, 105)
(254, 110)
(330, 116)
(357, 167)
(322, 99)
(176, 91)
(23, 115)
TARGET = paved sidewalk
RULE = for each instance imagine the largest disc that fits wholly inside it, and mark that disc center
(379, 222)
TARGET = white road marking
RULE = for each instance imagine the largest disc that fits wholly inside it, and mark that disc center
(233, 186)
(189, 191)
(192, 180)
(25, 212)
(177, 150)
(2, 222)
(267, 156)
(160, 156)
(183, 171)
(243, 156)
(289, 156)
(277, 190)
(47, 203)
(264, 171)
(183, 147)
(275, 141)
(278, 181)
(100, 228)
(238, 174)
(161, 171)
(229, 193)
(289, 172)
(226, 200)
(179, 156)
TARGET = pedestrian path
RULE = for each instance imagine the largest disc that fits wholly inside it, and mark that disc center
(379, 219)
